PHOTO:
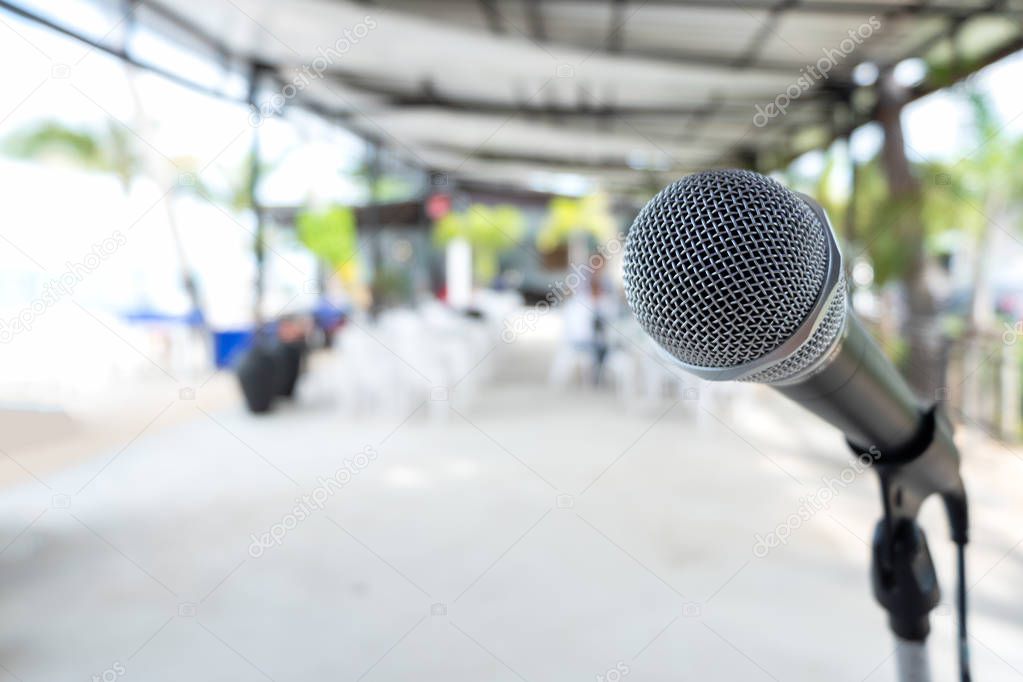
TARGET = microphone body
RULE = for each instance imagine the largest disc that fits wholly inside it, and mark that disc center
(859, 392)
(741, 279)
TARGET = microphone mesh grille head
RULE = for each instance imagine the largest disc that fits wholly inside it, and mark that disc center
(723, 267)
(814, 348)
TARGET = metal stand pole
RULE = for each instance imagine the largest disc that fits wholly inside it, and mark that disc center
(911, 661)
(905, 584)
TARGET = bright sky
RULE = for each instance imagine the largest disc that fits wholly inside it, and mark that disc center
(938, 126)
(63, 80)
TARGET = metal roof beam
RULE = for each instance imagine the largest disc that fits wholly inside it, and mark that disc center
(609, 163)
(534, 15)
(616, 31)
(921, 8)
(491, 16)
(586, 110)
(766, 30)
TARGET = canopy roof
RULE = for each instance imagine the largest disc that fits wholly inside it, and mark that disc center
(618, 89)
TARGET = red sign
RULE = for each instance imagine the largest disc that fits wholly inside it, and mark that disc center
(438, 206)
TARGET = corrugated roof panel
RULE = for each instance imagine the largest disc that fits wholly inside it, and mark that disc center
(527, 81)
(723, 32)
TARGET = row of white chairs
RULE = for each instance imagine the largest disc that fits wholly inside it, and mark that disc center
(406, 358)
(642, 375)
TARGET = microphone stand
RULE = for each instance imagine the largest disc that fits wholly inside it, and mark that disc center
(902, 572)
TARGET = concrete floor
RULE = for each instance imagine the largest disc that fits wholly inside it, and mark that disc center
(535, 535)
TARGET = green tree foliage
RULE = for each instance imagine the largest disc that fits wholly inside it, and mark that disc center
(330, 233)
(107, 149)
(490, 230)
(964, 196)
(383, 187)
(567, 216)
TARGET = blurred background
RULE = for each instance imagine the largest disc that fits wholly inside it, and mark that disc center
(315, 359)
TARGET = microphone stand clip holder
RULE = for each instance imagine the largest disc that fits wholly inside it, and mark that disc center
(902, 572)
(903, 579)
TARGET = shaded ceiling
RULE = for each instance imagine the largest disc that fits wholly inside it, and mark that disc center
(625, 91)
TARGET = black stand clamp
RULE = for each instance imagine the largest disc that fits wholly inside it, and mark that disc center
(903, 578)
(902, 572)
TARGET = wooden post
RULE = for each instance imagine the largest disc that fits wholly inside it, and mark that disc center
(1009, 380)
(924, 369)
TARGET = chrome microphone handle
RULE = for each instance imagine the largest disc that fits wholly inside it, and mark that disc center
(860, 392)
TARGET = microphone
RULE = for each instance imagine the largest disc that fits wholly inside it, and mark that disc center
(739, 278)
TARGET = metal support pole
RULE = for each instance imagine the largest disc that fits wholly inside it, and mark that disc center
(255, 75)
(911, 662)
(373, 215)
